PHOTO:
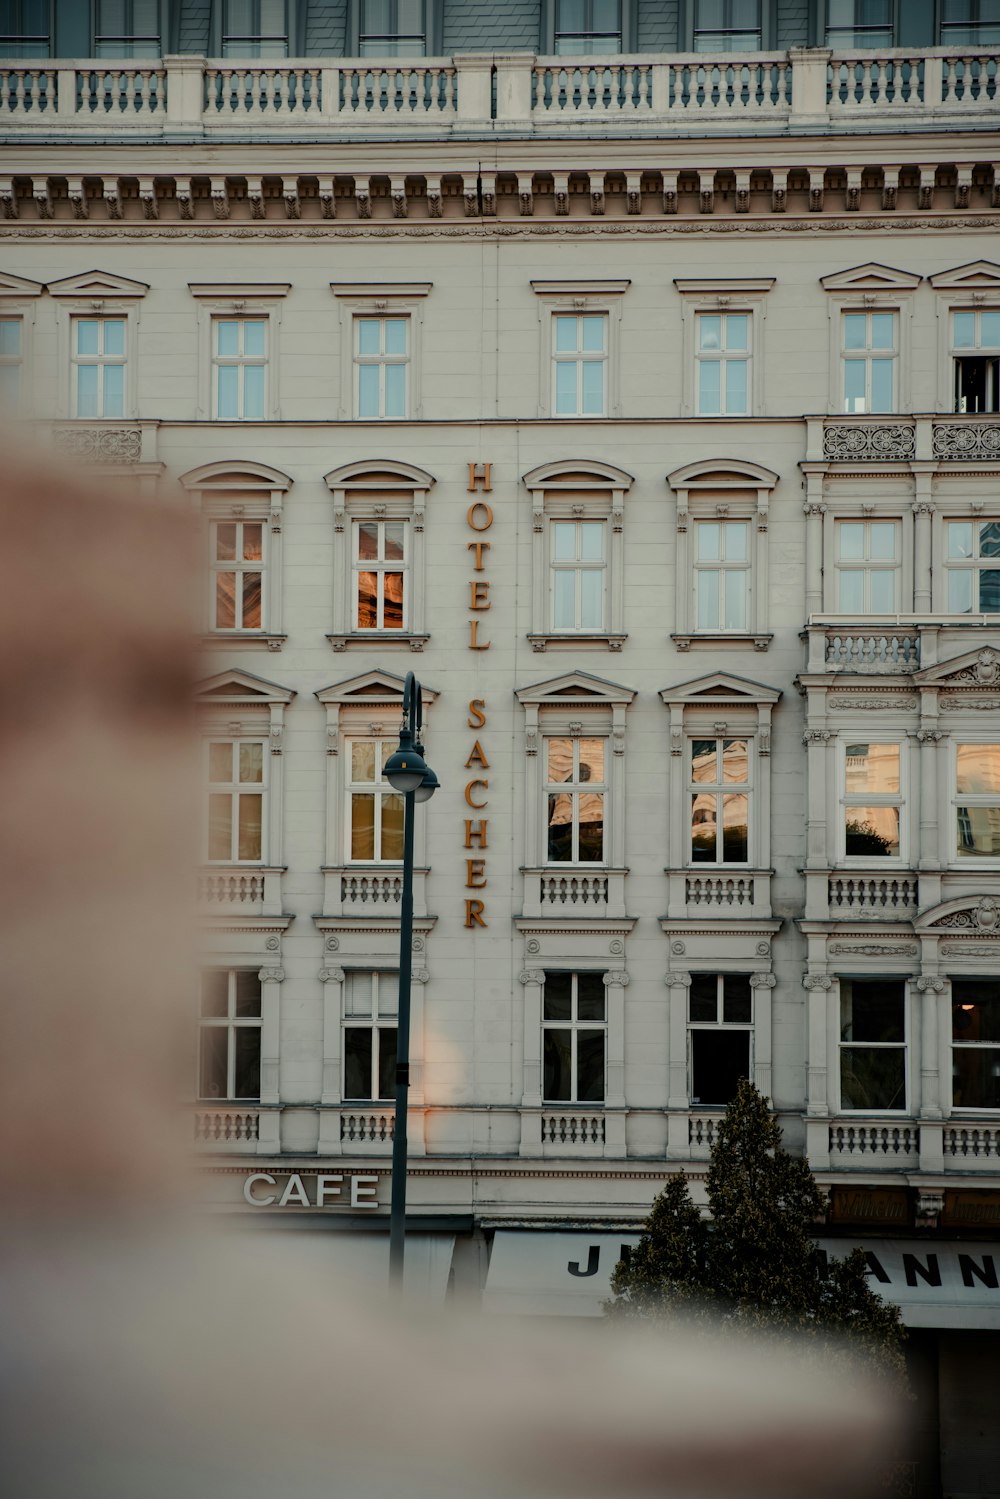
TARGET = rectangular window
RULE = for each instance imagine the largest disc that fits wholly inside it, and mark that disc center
(720, 801)
(576, 792)
(392, 28)
(723, 364)
(574, 1036)
(727, 26)
(98, 353)
(236, 800)
(237, 575)
(975, 1041)
(25, 28)
(254, 28)
(381, 362)
(371, 1003)
(229, 1039)
(584, 27)
(380, 574)
(977, 806)
(722, 574)
(239, 369)
(970, 23)
(579, 574)
(719, 1027)
(868, 356)
(873, 1044)
(859, 23)
(867, 565)
(872, 800)
(579, 364)
(975, 343)
(11, 353)
(375, 811)
(127, 28)
(972, 564)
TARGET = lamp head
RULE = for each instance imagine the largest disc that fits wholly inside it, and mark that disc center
(406, 769)
(427, 787)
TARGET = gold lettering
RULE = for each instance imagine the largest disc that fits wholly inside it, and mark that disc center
(479, 473)
(479, 591)
(486, 515)
(470, 788)
(475, 874)
(474, 644)
(477, 713)
(479, 547)
(477, 756)
(475, 832)
(474, 912)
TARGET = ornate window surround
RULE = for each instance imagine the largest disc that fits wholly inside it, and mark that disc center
(381, 299)
(18, 299)
(590, 296)
(881, 498)
(239, 299)
(976, 285)
(102, 294)
(723, 295)
(871, 288)
(237, 946)
(377, 488)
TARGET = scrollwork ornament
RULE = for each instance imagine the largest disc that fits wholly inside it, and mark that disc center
(817, 982)
(533, 945)
(763, 949)
(931, 985)
(273, 944)
(332, 975)
(677, 980)
(678, 947)
(272, 975)
(420, 975)
(531, 976)
(616, 978)
(616, 946)
(418, 944)
(869, 440)
(332, 944)
(762, 981)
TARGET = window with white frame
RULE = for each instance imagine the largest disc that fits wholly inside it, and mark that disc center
(374, 810)
(720, 1012)
(98, 357)
(392, 28)
(576, 791)
(229, 1034)
(574, 1037)
(11, 357)
(578, 565)
(975, 352)
(977, 801)
(127, 28)
(371, 1007)
(972, 566)
(585, 27)
(579, 364)
(873, 800)
(969, 23)
(237, 770)
(720, 801)
(239, 368)
(975, 1043)
(859, 23)
(868, 566)
(869, 347)
(255, 28)
(723, 356)
(381, 366)
(722, 574)
(25, 28)
(873, 1045)
(727, 26)
(380, 574)
(237, 601)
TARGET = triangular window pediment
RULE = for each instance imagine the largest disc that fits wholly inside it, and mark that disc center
(371, 686)
(871, 277)
(19, 286)
(720, 686)
(97, 284)
(241, 686)
(978, 275)
(976, 668)
(577, 687)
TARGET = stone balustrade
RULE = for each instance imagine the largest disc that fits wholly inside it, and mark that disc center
(574, 892)
(239, 889)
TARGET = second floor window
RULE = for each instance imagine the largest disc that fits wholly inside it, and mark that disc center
(970, 23)
(381, 360)
(867, 565)
(579, 573)
(371, 1002)
(380, 570)
(375, 811)
(872, 800)
(574, 1035)
(719, 1016)
(229, 1038)
(975, 342)
(255, 28)
(977, 803)
(98, 367)
(972, 565)
(859, 23)
(868, 359)
(722, 574)
(239, 368)
(723, 364)
(975, 1043)
(127, 28)
(25, 28)
(392, 28)
(873, 1044)
(720, 801)
(10, 363)
(236, 801)
(237, 575)
(727, 26)
(585, 27)
(579, 364)
(576, 792)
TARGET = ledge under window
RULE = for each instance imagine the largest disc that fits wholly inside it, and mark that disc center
(611, 641)
(243, 640)
(760, 642)
(415, 642)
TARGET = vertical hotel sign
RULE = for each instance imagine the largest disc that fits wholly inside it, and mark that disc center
(479, 518)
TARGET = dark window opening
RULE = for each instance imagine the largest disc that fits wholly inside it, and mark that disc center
(977, 383)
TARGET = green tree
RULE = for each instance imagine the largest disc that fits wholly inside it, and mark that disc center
(754, 1263)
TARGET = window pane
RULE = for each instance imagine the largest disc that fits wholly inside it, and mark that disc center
(558, 996)
(872, 1078)
(395, 390)
(703, 828)
(386, 1061)
(736, 387)
(735, 535)
(225, 601)
(959, 538)
(393, 541)
(978, 831)
(220, 762)
(212, 1081)
(395, 335)
(362, 760)
(704, 997)
(976, 1077)
(989, 539)
(247, 992)
(718, 1060)
(979, 768)
(592, 599)
(590, 996)
(975, 1009)
(591, 835)
(593, 388)
(851, 592)
(735, 842)
(392, 826)
(590, 1066)
(960, 592)
(251, 808)
(392, 601)
(254, 338)
(10, 384)
(86, 390)
(707, 584)
(10, 337)
(883, 330)
(369, 336)
(872, 1010)
(882, 541)
(560, 757)
(735, 615)
(566, 331)
(592, 760)
(557, 1066)
(367, 601)
(872, 832)
(709, 535)
(593, 334)
(703, 761)
(736, 998)
(362, 826)
(855, 330)
(882, 385)
(252, 762)
(964, 330)
(564, 600)
(227, 392)
(709, 378)
(566, 388)
(989, 592)
(872, 767)
(253, 392)
(851, 536)
(357, 1061)
(854, 385)
(227, 335)
(368, 390)
(246, 1080)
(358, 993)
(251, 601)
(564, 540)
(86, 336)
(989, 330)
(709, 332)
(737, 332)
(735, 762)
(114, 390)
(220, 827)
(592, 540)
(215, 992)
(883, 592)
(560, 840)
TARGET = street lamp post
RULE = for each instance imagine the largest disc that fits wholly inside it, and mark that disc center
(407, 772)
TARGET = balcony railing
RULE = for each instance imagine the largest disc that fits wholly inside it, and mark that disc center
(874, 1144)
(899, 439)
(239, 890)
(770, 92)
(574, 892)
(370, 890)
(873, 897)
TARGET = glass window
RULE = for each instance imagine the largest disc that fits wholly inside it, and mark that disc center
(975, 343)
(237, 575)
(579, 364)
(975, 1041)
(236, 788)
(972, 566)
(371, 1002)
(977, 802)
(25, 28)
(727, 26)
(723, 364)
(239, 369)
(381, 362)
(873, 1044)
(872, 800)
(98, 354)
(11, 350)
(374, 810)
(867, 566)
(720, 801)
(127, 28)
(859, 23)
(722, 574)
(392, 28)
(868, 358)
(720, 1011)
(579, 574)
(574, 1034)
(576, 793)
(584, 27)
(380, 574)
(254, 28)
(970, 23)
(229, 1034)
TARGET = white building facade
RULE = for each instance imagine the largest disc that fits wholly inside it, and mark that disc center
(632, 374)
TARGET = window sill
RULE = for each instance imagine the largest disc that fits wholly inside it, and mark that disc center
(380, 638)
(610, 641)
(243, 640)
(721, 638)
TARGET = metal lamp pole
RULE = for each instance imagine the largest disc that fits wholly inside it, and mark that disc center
(407, 772)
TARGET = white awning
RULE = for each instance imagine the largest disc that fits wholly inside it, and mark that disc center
(552, 1274)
